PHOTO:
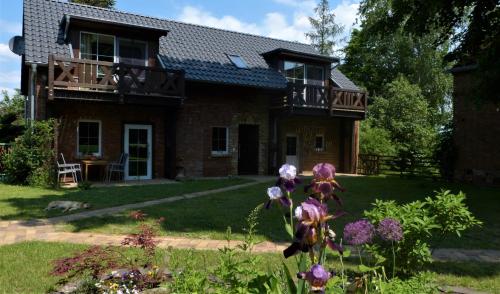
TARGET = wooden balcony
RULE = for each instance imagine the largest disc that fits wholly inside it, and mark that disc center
(321, 100)
(84, 79)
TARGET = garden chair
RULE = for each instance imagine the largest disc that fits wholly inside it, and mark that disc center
(68, 168)
(117, 167)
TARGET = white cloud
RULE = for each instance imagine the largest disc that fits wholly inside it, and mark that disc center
(8, 27)
(10, 79)
(346, 14)
(6, 54)
(196, 15)
(276, 24)
(301, 4)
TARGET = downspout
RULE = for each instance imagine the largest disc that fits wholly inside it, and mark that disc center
(32, 91)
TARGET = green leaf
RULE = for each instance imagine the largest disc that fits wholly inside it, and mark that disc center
(289, 230)
(364, 269)
(347, 253)
(292, 288)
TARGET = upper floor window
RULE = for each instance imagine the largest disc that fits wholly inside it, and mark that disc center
(132, 52)
(102, 47)
(297, 72)
(97, 47)
(294, 72)
(319, 143)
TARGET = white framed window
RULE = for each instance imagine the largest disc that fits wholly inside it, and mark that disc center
(319, 143)
(220, 140)
(98, 47)
(89, 135)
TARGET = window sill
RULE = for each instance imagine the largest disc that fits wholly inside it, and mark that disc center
(220, 155)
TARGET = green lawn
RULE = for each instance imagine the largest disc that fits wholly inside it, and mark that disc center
(22, 202)
(208, 217)
(17, 277)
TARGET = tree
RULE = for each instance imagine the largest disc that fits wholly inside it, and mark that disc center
(404, 113)
(473, 26)
(375, 58)
(11, 116)
(325, 33)
(98, 3)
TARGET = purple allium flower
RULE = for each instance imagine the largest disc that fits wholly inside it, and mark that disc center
(359, 232)
(390, 229)
(323, 171)
(317, 277)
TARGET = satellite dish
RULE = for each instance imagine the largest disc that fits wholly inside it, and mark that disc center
(16, 45)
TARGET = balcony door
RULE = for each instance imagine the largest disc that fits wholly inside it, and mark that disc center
(138, 146)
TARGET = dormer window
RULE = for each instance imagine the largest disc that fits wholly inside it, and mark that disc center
(237, 60)
(132, 52)
(97, 47)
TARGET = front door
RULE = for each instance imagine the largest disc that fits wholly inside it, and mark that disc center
(248, 150)
(138, 146)
(291, 151)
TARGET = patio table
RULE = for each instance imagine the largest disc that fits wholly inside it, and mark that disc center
(93, 162)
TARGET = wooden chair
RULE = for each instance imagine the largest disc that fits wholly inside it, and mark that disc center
(117, 167)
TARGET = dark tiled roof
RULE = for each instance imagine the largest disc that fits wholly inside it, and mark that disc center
(342, 81)
(200, 51)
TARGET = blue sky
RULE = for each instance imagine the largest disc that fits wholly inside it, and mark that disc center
(283, 19)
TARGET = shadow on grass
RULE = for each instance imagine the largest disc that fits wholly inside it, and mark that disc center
(23, 203)
(208, 217)
(469, 269)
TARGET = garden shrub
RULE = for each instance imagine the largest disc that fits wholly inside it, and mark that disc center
(422, 221)
(31, 159)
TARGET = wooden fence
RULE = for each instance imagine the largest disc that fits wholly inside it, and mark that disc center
(416, 165)
(4, 149)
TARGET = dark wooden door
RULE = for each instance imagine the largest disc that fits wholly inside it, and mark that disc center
(248, 150)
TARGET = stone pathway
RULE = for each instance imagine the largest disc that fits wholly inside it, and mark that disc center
(46, 230)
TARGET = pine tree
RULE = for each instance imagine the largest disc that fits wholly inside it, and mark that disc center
(98, 3)
(325, 31)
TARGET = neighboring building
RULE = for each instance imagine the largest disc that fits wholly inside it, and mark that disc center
(476, 131)
(171, 94)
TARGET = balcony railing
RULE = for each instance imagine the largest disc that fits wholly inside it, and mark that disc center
(348, 100)
(328, 98)
(112, 78)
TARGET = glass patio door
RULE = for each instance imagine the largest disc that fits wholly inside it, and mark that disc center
(138, 146)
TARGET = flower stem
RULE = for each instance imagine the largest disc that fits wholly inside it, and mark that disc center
(359, 253)
(342, 268)
(393, 260)
(291, 210)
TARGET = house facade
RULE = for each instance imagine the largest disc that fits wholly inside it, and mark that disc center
(177, 96)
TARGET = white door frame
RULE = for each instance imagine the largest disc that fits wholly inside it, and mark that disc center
(149, 128)
(294, 160)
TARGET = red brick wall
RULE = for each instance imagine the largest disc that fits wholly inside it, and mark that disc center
(477, 132)
(113, 118)
(213, 107)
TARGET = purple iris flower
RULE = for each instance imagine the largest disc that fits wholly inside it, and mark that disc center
(312, 215)
(390, 229)
(275, 194)
(324, 171)
(359, 232)
(317, 277)
(324, 184)
(288, 177)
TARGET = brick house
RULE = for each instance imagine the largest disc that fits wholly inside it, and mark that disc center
(171, 94)
(476, 131)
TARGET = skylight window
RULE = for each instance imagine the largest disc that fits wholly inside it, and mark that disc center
(238, 61)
